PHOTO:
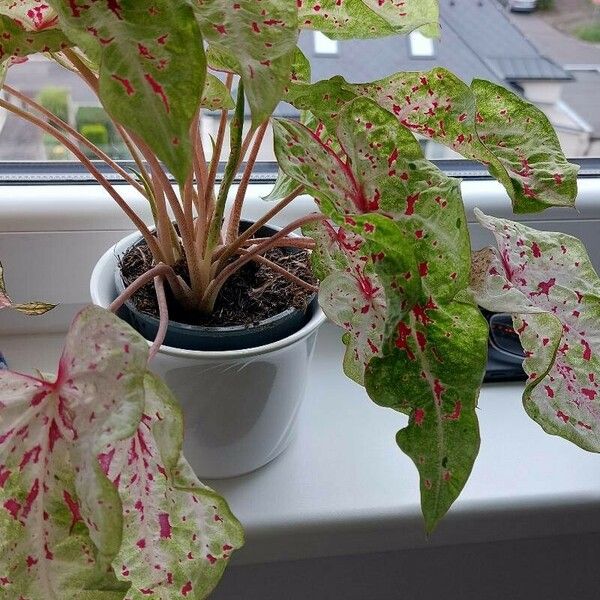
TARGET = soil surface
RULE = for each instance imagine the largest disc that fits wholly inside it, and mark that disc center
(254, 293)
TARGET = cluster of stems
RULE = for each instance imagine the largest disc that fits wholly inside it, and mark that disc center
(191, 225)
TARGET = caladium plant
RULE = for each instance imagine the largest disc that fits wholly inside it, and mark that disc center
(390, 246)
(97, 499)
(33, 307)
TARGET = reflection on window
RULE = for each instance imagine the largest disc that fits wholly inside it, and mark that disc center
(537, 55)
(420, 46)
(323, 44)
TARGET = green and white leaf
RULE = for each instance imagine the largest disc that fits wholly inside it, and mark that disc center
(152, 69)
(17, 43)
(349, 19)
(178, 534)
(216, 96)
(433, 373)
(552, 273)
(484, 122)
(261, 35)
(60, 520)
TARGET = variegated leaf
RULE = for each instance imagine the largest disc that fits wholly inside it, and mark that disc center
(525, 144)
(178, 534)
(216, 96)
(381, 170)
(32, 15)
(61, 517)
(152, 68)
(553, 272)
(433, 373)
(16, 43)
(262, 36)
(45, 548)
(486, 123)
(401, 227)
(369, 18)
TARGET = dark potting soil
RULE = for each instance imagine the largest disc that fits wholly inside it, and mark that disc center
(252, 294)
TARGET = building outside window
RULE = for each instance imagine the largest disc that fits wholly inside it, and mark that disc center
(537, 54)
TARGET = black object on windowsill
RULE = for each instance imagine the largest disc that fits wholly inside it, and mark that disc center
(505, 353)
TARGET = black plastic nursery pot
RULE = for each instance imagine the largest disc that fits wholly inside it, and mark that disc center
(215, 338)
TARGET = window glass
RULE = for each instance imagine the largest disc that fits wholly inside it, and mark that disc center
(420, 46)
(541, 49)
(323, 44)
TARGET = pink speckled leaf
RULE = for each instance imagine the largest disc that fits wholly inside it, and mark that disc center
(152, 68)
(369, 18)
(484, 122)
(378, 168)
(525, 144)
(487, 123)
(60, 521)
(16, 42)
(178, 534)
(216, 96)
(394, 265)
(261, 35)
(32, 15)
(433, 373)
(553, 273)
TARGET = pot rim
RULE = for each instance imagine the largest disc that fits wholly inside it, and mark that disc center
(109, 259)
(121, 247)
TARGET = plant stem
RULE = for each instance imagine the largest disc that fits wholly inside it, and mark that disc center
(181, 291)
(80, 138)
(212, 291)
(236, 211)
(214, 161)
(163, 222)
(198, 169)
(163, 313)
(236, 126)
(87, 163)
(231, 248)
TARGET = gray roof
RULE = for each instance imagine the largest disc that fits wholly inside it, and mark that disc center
(473, 32)
(527, 68)
(579, 97)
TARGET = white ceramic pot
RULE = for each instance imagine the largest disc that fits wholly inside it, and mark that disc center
(239, 406)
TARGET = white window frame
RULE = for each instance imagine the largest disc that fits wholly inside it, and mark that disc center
(52, 235)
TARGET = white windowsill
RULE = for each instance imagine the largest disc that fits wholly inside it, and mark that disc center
(344, 488)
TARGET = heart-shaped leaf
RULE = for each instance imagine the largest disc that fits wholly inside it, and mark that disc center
(550, 273)
(152, 68)
(78, 457)
(261, 36)
(369, 18)
(178, 534)
(433, 374)
(61, 517)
